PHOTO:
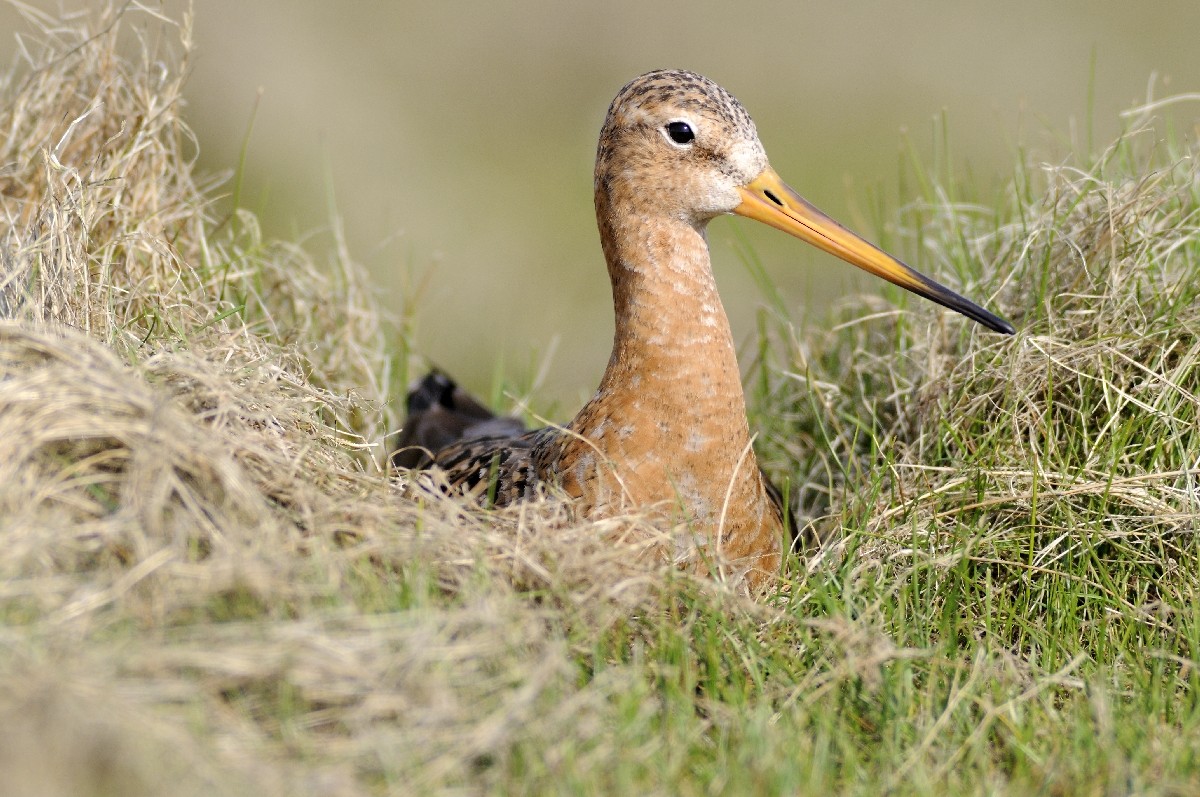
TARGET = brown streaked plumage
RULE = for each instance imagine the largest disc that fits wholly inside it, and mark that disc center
(666, 431)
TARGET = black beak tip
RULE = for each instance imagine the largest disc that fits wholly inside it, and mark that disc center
(1000, 325)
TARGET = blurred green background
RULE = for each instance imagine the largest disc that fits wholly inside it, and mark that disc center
(456, 139)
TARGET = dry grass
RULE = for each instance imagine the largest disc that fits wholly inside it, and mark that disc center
(198, 538)
(207, 585)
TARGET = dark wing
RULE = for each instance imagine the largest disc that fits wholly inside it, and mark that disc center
(440, 414)
(497, 470)
(479, 452)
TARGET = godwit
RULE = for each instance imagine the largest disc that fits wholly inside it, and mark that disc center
(666, 431)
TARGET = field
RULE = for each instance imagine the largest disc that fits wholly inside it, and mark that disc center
(209, 585)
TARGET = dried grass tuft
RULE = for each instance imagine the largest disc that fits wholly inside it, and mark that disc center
(198, 536)
(1078, 435)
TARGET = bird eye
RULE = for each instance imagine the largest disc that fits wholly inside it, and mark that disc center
(680, 132)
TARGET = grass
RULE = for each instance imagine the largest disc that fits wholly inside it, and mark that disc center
(207, 584)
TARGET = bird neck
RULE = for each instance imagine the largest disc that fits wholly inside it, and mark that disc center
(667, 428)
(672, 346)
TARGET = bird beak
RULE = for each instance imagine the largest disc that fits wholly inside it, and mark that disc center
(767, 198)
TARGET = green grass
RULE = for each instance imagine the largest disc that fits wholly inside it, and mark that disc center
(207, 584)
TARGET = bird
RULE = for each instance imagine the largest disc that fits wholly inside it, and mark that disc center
(666, 432)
